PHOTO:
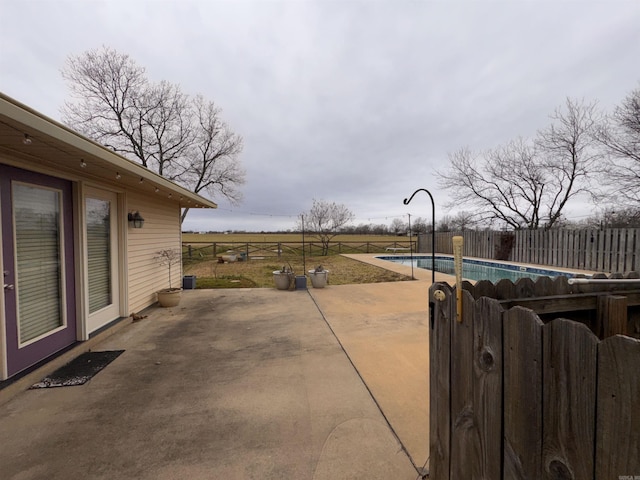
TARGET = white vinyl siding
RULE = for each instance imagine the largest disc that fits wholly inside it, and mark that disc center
(161, 230)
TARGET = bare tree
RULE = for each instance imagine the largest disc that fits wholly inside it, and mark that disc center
(619, 134)
(167, 131)
(524, 183)
(625, 217)
(462, 221)
(397, 226)
(444, 224)
(569, 155)
(379, 229)
(504, 184)
(363, 229)
(211, 165)
(420, 225)
(325, 220)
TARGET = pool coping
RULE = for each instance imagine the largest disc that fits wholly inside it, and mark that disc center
(425, 275)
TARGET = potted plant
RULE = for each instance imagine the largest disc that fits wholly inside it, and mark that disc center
(169, 297)
(319, 277)
(284, 278)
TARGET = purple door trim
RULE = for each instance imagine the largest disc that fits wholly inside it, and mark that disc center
(19, 359)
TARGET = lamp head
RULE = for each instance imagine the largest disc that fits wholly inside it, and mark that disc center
(135, 219)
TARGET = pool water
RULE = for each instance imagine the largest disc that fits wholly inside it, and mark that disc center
(479, 269)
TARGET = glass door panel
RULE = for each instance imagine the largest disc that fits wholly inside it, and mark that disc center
(102, 257)
(39, 259)
(98, 217)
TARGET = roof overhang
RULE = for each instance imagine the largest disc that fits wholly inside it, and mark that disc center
(56, 147)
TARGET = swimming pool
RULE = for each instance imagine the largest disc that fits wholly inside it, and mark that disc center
(473, 269)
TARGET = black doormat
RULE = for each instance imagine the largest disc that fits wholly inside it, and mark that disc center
(79, 370)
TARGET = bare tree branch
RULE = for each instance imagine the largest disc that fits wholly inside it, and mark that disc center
(324, 221)
(523, 183)
(167, 131)
(619, 136)
(570, 154)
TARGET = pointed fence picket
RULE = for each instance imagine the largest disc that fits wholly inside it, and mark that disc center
(515, 397)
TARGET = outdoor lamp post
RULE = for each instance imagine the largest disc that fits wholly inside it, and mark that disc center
(433, 230)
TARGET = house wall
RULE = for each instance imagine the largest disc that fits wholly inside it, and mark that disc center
(161, 230)
(54, 150)
(142, 275)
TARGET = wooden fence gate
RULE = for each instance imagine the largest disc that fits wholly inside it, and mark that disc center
(514, 398)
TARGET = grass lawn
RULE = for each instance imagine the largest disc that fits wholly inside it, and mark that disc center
(258, 273)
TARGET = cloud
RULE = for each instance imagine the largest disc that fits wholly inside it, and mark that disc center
(348, 101)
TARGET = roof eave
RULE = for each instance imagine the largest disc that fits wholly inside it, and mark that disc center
(26, 120)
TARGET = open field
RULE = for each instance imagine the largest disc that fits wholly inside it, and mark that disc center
(202, 255)
(256, 246)
(282, 237)
(259, 273)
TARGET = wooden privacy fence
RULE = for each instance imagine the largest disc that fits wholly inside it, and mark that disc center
(608, 250)
(513, 397)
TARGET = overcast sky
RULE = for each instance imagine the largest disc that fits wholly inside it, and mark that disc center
(354, 102)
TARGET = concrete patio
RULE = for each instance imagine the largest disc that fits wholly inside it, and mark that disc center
(240, 384)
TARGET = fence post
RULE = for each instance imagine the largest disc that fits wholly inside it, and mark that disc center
(611, 316)
(215, 250)
(279, 249)
(190, 256)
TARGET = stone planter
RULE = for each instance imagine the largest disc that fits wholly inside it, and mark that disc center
(319, 279)
(283, 280)
(169, 297)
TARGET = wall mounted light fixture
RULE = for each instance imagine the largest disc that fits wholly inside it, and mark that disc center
(135, 219)
(27, 139)
(83, 164)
